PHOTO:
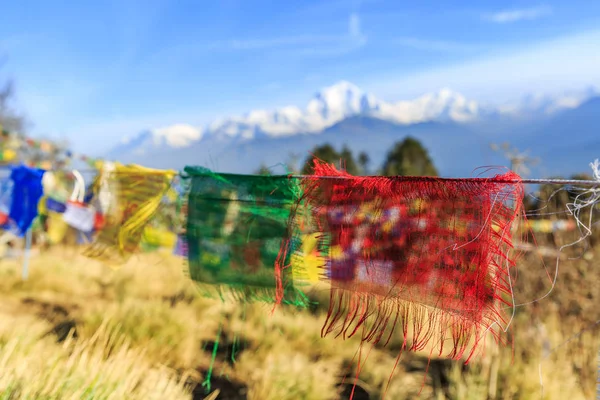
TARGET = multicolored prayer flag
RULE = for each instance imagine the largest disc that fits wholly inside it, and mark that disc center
(428, 254)
(235, 228)
(130, 195)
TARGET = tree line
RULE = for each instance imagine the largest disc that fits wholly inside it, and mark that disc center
(407, 157)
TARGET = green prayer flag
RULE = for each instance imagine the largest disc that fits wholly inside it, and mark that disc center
(237, 226)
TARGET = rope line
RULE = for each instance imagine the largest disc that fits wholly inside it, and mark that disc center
(422, 178)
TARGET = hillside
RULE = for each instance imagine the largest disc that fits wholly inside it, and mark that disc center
(456, 131)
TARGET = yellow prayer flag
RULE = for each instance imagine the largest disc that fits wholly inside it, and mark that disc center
(159, 237)
(42, 209)
(546, 226)
(132, 195)
(57, 227)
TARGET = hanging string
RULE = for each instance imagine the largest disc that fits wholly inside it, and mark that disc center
(206, 383)
(428, 178)
(535, 181)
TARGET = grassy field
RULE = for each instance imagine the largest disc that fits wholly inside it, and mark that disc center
(78, 330)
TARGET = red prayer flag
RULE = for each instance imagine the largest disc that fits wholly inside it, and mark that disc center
(428, 254)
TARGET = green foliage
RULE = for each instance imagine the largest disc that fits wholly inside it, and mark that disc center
(324, 152)
(262, 170)
(9, 118)
(408, 158)
(348, 162)
(343, 160)
(364, 160)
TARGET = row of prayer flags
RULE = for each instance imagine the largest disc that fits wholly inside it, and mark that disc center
(430, 257)
(428, 254)
(115, 211)
(37, 153)
(21, 193)
(548, 225)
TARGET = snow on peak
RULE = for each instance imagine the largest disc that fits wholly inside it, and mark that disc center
(342, 100)
(179, 135)
(329, 106)
(548, 103)
(443, 105)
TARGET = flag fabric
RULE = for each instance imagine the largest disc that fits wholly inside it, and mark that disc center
(80, 216)
(78, 213)
(430, 255)
(130, 195)
(27, 190)
(235, 228)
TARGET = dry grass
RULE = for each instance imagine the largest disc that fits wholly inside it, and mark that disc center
(78, 330)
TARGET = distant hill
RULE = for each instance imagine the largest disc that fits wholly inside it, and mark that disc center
(456, 131)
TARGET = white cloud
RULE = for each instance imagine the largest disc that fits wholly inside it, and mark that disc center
(507, 16)
(303, 45)
(179, 135)
(269, 43)
(561, 64)
(344, 44)
(354, 25)
(354, 29)
(354, 35)
(435, 45)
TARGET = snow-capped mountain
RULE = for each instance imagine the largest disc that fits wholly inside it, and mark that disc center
(455, 130)
(547, 104)
(175, 136)
(328, 107)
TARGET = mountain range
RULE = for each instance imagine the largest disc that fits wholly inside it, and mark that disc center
(561, 130)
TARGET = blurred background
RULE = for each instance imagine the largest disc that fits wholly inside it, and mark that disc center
(379, 88)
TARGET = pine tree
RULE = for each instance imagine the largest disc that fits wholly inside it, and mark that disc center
(408, 158)
(347, 161)
(363, 161)
(343, 160)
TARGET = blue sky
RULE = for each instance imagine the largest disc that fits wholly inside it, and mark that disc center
(93, 72)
